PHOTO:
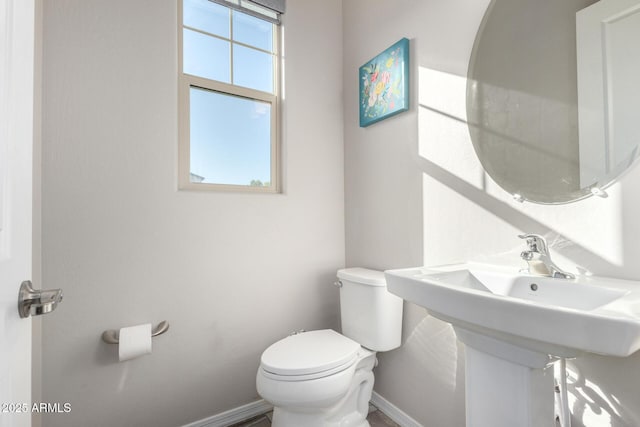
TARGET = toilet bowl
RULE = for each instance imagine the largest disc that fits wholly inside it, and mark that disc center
(324, 378)
(317, 379)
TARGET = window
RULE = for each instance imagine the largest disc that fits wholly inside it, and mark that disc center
(228, 86)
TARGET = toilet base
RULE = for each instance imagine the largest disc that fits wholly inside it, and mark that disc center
(284, 418)
(351, 410)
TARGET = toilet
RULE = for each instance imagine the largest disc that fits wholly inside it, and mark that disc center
(323, 378)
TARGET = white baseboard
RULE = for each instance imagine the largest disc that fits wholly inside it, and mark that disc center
(260, 407)
(235, 415)
(393, 412)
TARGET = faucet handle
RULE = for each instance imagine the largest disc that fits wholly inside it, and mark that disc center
(536, 242)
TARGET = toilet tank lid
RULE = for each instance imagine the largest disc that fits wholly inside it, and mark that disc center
(363, 275)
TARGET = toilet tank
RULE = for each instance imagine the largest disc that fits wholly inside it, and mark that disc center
(371, 315)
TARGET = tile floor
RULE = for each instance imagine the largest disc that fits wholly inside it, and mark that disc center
(376, 418)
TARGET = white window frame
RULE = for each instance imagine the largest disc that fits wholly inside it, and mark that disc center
(187, 81)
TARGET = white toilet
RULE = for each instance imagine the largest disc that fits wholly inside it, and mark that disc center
(325, 379)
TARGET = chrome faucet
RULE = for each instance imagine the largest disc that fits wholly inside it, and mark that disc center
(538, 258)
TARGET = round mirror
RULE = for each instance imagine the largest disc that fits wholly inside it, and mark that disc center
(552, 95)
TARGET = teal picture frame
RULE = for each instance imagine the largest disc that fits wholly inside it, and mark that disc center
(384, 84)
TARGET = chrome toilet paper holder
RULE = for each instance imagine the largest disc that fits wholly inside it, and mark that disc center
(112, 336)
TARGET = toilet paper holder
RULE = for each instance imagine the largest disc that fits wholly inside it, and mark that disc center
(111, 336)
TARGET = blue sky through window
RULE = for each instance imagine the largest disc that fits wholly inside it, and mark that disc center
(207, 16)
(230, 136)
(253, 31)
(206, 56)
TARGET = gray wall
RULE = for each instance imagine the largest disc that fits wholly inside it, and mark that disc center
(416, 194)
(232, 273)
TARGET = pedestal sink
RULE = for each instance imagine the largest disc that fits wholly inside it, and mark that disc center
(515, 325)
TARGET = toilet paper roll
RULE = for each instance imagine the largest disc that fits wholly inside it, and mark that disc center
(134, 341)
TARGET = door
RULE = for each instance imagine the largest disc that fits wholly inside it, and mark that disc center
(608, 60)
(17, 33)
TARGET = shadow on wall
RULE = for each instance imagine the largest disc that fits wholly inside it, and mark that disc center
(593, 400)
(514, 217)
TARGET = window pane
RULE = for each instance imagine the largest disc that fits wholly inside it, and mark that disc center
(207, 16)
(230, 139)
(252, 68)
(206, 56)
(252, 31)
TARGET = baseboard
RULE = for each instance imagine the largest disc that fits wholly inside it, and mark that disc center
(393, 412)
(235, 415)
(260, 407)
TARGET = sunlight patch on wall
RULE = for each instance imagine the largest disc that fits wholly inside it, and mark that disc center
(442, 125)
(434, 341)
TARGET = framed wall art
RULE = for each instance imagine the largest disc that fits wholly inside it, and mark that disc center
(384, 84)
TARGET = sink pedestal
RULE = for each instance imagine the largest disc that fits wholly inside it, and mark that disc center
(506, 385)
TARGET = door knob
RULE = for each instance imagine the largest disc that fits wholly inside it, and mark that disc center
(33, 302)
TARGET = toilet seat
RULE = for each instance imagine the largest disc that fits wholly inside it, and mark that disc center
(309, 355)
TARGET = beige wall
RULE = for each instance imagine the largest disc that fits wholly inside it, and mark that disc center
(415, 194)
(232, 273)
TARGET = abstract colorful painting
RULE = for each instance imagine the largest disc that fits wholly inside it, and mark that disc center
(384, 84)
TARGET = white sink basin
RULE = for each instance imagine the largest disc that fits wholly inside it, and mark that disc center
(558, 317)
